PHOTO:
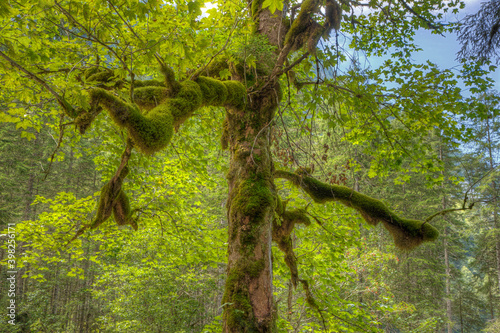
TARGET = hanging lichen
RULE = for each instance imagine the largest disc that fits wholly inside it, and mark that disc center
(407, 233)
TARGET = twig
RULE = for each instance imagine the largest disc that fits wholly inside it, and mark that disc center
(65, 105)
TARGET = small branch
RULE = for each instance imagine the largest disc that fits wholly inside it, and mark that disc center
(446, 211)
(59, 141)
(429, 23)
(197, 73)
(65, 105)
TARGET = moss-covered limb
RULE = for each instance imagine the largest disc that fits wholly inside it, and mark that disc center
(109, 197)
(302, 23)
(282, 228)
(407, 233)
(85, 118)
(152, 119)
(169, 76)
(148, 97)
(104, 78)
(113, 200)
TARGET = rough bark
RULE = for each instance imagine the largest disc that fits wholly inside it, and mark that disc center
(248, 302)
(496, 222)
(446, 261)
(248, 298)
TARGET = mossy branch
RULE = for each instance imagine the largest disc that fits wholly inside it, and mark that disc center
(113, 200)
(282, 228)
(160, 108)
(407, 233)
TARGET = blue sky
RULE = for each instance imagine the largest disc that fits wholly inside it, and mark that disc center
(443, 50)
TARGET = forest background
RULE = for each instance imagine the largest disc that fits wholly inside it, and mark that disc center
(395, 129)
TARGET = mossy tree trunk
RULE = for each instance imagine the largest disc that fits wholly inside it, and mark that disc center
(248, 303)
(248, 297)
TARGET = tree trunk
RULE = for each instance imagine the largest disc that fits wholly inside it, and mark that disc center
(248, 298)
(496, 222)
(446, 258)
(447, 278)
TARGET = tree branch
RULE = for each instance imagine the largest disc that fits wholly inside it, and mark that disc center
(406, 233)
(69, 110)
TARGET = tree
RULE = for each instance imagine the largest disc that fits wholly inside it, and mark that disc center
(479, 33)
(92, 56)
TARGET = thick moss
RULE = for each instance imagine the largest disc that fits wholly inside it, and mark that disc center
(296, 216)
(153, 132)
(113, 200)
(236, 94)
(150, 133)
(303, 20)
(214, 92)
(170, 81)
(102, 208)
(121, 209)
(84, 120)
(252, 195)
(148, 83)
(103, 77)
(147, 97)
(188, 99)
(407, 233)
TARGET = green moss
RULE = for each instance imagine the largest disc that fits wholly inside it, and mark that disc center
(297, 216)
(121, 209)
(239, 311)
(83, 121)
(154, 132)
(252, 195)
(101, 214)
(236, 94)
(170, 81)
(103, 77)
(148, 83)
(303, 20)
(159, 109)
(147, 97)
(188, 99)
(255, 268)
(407, 233)
(214, 92)
(150, 133)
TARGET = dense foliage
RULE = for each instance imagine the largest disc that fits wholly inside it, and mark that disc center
(118, 119)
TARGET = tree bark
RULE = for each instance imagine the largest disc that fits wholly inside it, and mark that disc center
(496, 222)
(248, 298)
(446, 259)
